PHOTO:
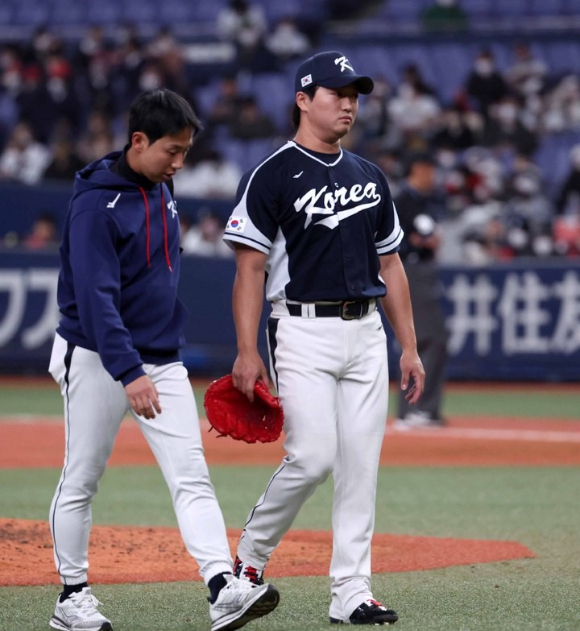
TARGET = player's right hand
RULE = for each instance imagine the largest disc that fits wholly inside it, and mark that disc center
(248, 368)
(143, 397)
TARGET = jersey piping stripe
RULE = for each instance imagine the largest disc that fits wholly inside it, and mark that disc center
(326, 164)
(389, 245)
(272, 327)
(396, 235)
(272, 343)
(279, 470)
(67, 363)
(240, 239)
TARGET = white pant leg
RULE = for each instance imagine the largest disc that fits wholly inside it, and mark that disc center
(363, 403)
(306, 356)
(94, 405)
(175, 439)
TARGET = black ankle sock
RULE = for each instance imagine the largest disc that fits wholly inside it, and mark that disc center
(215, 584)
(71, 589)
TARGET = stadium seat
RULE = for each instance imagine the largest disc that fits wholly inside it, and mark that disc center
(67, 12)
(542, 8)
(509, 8)
(477, 9)
(29, 12)
(141, 11)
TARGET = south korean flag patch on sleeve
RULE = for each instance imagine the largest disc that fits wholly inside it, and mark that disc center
(236, 224)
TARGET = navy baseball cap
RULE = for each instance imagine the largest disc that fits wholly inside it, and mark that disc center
(330, 70)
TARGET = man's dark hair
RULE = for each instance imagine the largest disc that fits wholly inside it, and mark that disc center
(159, 113)
(310, 91)
(420, 157)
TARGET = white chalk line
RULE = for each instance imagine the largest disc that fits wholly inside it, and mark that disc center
(526, 435)
(475, 433)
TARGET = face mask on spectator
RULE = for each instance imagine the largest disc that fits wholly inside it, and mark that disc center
(484, 67)
(507, 112)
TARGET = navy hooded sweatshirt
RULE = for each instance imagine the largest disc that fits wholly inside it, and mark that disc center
(117, 287)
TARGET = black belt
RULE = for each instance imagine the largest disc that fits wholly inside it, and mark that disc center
(347, 310)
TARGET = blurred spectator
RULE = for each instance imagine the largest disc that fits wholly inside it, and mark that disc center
(562, 106)
(522, 165)
(444, 15)
(414, 113)
(373, 115)
(412, 77)
(163, 43)
(528, 217)
(482, 231)
(124, 32)
(504, 128)
(65, 161)
(96, 60)
(165, 55)
(245, 25)
(566, 236)
(568, 202)
(64, 102)
(452, 131)
(250, 122)
(33, 92)
(98, 138)
(486, 171)
(42, 42)
(287, 41)
(461, 182)
(212, 177)
(485, 83)
(418, 253)
(43, 235)
(224, 108)
(391, 165)
(150, 76)
(527, 76)
(204, 238)
(128, 70)
(24, 159)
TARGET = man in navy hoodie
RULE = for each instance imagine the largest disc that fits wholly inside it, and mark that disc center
(116, 350)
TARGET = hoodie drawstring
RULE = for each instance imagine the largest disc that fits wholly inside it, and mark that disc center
(148, 228)
(164, 215)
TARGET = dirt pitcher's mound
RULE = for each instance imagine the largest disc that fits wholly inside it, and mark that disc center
(124, 554)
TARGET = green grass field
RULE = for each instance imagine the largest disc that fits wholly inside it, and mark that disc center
(540, 403)
(537, 506)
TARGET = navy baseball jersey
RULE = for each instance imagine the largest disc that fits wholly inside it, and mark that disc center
(322, 219)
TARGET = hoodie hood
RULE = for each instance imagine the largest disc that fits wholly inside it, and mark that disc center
(98, 175)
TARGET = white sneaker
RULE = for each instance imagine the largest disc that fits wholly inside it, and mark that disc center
(241, 601)
(79, 611)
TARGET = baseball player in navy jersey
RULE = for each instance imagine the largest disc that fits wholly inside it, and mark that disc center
(116, 351)
(317, 224)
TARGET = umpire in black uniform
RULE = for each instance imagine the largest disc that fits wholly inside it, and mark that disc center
(418, 253)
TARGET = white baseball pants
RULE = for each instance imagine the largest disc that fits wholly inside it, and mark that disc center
(95, 405)
(332, 378)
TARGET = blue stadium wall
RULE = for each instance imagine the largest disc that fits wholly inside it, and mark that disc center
(516, 322)
(507, 322)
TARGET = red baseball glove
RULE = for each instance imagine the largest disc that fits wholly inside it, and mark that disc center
(231, 413)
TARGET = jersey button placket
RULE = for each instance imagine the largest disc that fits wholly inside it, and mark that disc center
(347, 244)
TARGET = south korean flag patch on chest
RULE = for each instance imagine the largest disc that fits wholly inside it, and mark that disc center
(236, 224)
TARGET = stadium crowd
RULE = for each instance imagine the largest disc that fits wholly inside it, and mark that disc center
(63, 105)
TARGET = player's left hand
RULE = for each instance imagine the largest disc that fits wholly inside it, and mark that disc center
(412, 372)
